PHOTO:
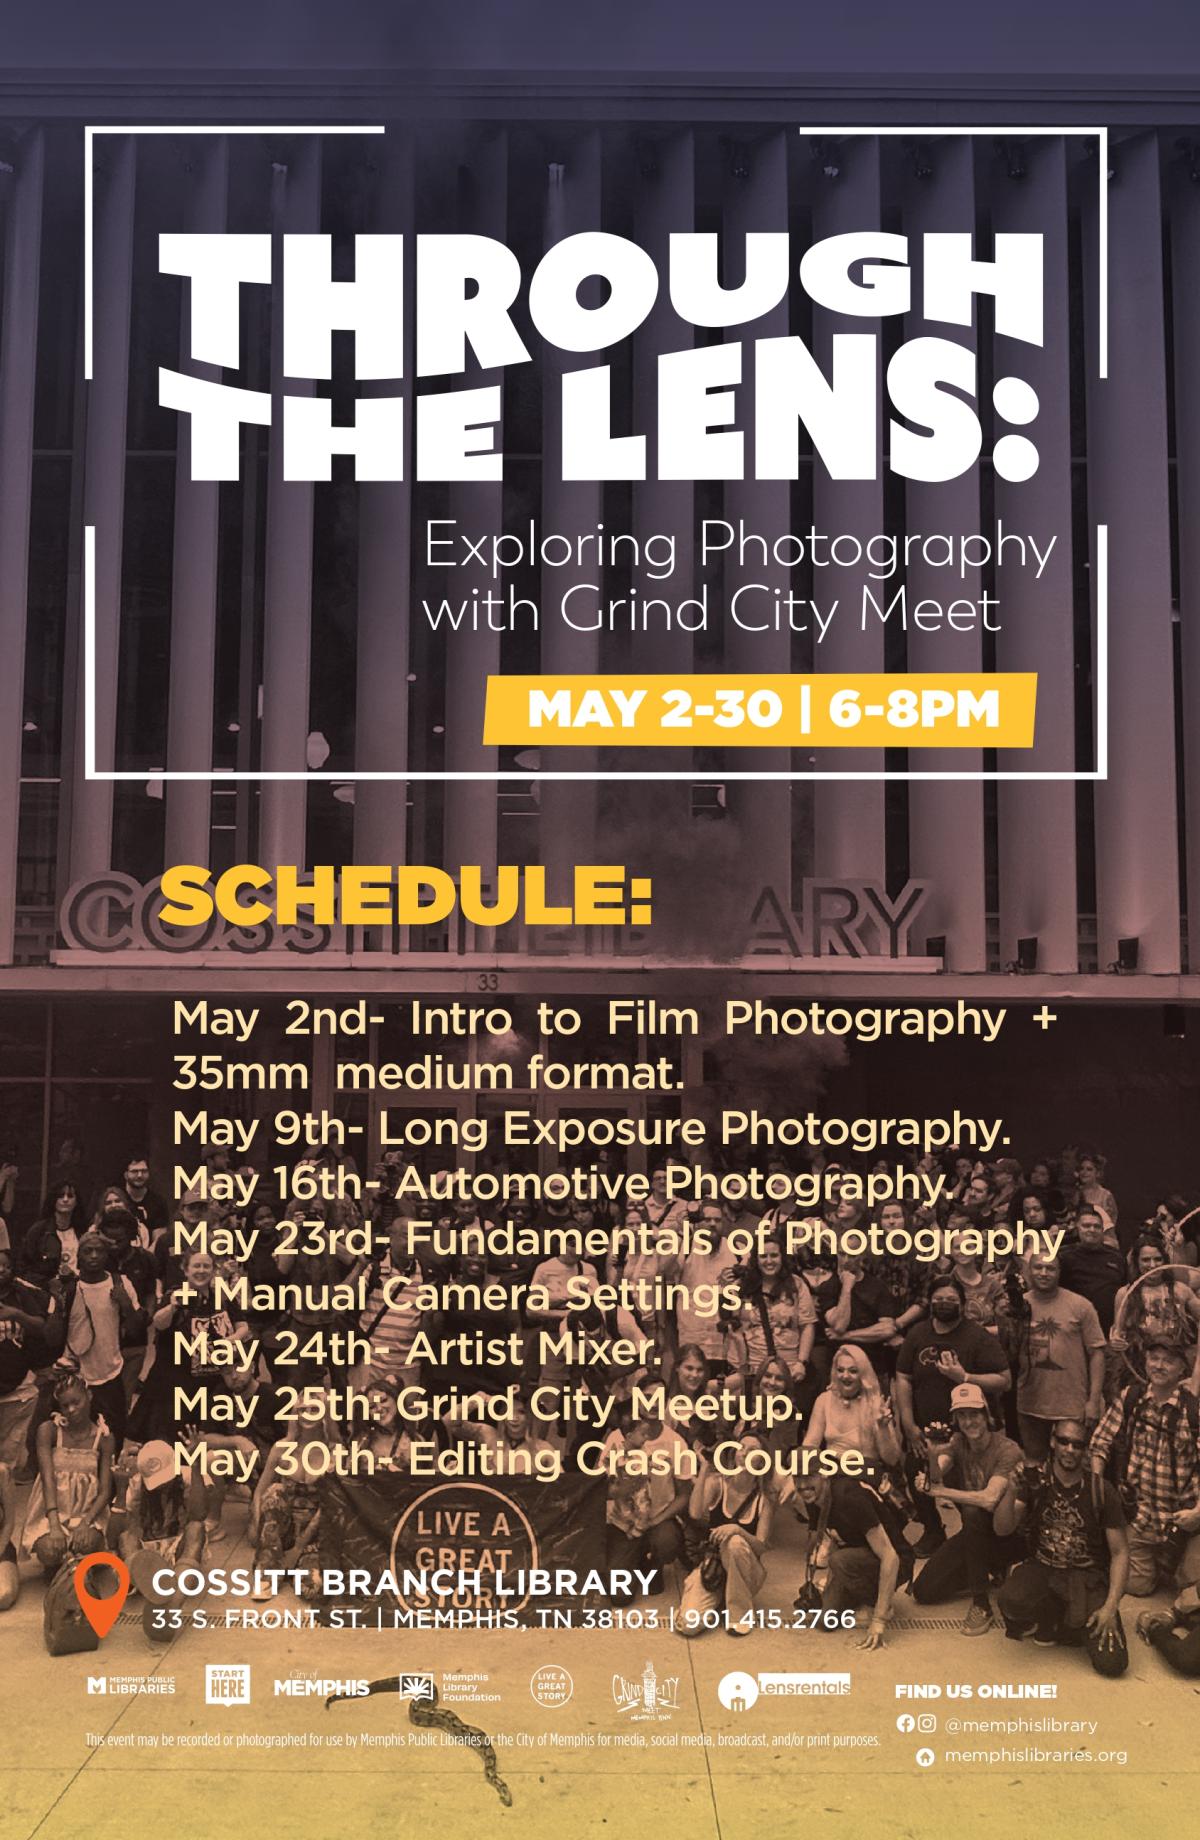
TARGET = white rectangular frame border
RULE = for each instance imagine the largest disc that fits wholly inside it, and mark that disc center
(164, 775)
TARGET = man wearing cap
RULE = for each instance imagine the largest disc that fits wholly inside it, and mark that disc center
(975, 1467)
(1006, 1196)
(1148, 1443)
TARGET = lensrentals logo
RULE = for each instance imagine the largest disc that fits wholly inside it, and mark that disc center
(737, 1692)
(323, 1689)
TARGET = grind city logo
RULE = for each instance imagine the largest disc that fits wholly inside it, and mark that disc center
(227, 1686)
(738, 1691)
(647, 1698)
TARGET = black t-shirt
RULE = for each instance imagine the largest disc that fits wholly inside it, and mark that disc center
(1097, 1275)
(138, 1267)
(151, 1212)
(855, 1507)
(1066, 1527)
(977, 1352)
(21, 1349)
(216, 1323)
(870, 1301)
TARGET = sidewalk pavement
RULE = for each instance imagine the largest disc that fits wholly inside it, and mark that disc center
(124, 1763)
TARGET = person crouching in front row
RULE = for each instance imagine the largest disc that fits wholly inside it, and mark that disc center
(736, 1512)
(1069, 1589)
(973, 1471)
(869, 1556)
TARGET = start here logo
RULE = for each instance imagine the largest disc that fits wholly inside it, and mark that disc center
(227, 1686)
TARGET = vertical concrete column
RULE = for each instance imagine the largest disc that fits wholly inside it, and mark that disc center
(850, 838)
(757, 203)
(385, 572)
(194, 573)
(470, 831)
(1184, 203)
(18, 361)
(115, 161)
(1037, 817)
(571, 508)
(1137, 847)
(945, 817)
(664, 205)
(288, 576)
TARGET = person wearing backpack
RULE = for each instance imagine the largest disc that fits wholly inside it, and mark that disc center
(1148, 1445)
(103, 1317)
(1070, 1587)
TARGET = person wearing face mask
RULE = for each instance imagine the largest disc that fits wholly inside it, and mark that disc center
(936, 1356)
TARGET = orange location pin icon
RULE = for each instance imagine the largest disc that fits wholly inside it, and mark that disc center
(102, 1612)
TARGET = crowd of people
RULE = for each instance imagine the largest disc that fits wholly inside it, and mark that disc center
(1021, 1437)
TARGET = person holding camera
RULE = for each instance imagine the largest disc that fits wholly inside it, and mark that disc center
(1148, 1444)
(946, 1352)
(970, 1473)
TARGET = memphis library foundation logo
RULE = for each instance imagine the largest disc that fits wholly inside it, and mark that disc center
(227, 1686)
(738, 1691)
(647, 1698)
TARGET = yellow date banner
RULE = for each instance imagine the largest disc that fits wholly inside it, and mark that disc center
(781, 709)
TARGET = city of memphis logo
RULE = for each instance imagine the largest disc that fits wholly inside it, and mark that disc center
(308, 1686)
(647, 1698)
(227, 1686)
